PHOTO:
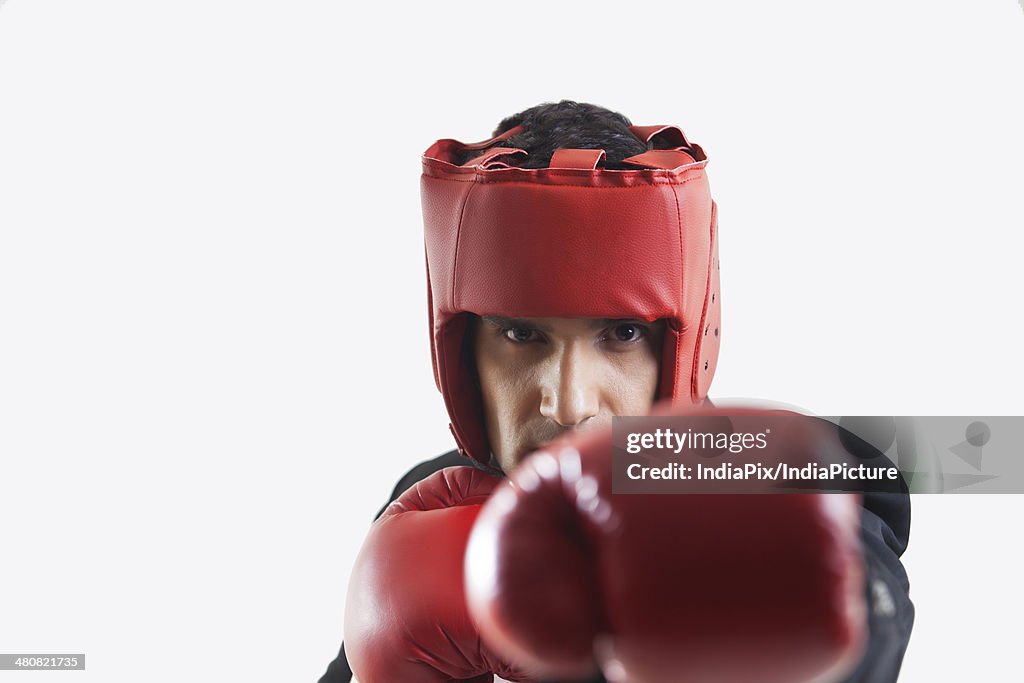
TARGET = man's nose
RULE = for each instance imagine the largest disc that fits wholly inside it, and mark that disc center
(571, 391)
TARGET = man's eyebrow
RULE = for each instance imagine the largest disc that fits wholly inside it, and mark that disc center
(502, 321)
(607, 322)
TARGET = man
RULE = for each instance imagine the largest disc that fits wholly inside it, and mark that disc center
(564, 293)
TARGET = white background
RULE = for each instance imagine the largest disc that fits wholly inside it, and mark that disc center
(213, 338)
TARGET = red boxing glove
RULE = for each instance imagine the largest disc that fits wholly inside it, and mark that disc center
(405, 615)
(713, 588)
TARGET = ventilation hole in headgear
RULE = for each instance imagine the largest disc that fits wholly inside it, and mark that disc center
(716, 331)
(706, 330)
(705, 366)
(712, 298)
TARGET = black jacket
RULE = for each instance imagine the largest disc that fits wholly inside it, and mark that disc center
(885, 531)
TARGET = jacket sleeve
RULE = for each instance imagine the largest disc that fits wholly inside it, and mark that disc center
(885, 531)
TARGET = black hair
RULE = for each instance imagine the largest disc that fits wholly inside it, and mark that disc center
(575, 125)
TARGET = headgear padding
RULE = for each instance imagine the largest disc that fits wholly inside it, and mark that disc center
(574, 240)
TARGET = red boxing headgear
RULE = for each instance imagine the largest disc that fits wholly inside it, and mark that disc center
(574, 240)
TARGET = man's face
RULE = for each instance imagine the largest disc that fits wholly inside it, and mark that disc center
(540, 377)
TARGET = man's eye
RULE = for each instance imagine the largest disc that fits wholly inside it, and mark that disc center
(520, 334)
(627, 332)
